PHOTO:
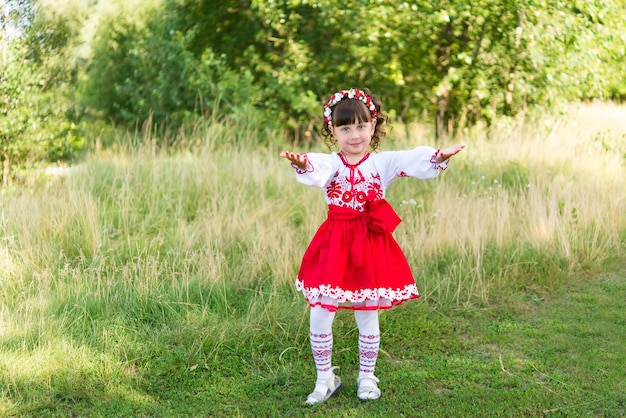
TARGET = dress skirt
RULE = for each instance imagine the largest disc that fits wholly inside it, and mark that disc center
(353, 261)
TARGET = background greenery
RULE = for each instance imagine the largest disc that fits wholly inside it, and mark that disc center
(68, 65)
(149, 234)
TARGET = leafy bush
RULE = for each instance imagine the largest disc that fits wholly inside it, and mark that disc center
(456, 62)
(140, 73)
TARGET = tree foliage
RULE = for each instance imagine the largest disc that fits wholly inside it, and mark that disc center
(452, 63)
(459, 62)
(37, 118)
(153, 70)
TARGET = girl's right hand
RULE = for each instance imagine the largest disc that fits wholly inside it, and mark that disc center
(299, 160)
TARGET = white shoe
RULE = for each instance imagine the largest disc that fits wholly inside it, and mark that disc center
(333, 383)
(368, 387)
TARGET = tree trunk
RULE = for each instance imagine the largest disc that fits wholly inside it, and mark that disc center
(441, 117)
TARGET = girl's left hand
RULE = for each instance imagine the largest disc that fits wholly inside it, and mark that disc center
(444, 154)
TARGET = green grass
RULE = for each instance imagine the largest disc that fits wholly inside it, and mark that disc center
(160, 284)
(560, 356)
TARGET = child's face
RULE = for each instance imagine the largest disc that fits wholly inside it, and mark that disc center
(354, 139)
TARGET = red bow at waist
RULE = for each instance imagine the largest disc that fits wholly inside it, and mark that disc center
(378, 217)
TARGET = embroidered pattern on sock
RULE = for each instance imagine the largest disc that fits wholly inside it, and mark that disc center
(322, 348)
(368, 352)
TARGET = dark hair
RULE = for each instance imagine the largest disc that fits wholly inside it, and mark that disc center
(349, 111)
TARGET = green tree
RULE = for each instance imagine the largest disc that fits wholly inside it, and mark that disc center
(150, 67)
(36, 114)
(455, 61)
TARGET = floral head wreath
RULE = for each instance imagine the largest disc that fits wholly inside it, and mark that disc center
(350, 94)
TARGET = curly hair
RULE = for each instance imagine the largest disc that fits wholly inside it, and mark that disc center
(349, 111)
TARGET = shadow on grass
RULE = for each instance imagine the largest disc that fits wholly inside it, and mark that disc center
(559, 355)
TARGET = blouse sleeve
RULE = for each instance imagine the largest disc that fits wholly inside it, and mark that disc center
(319, 168)
(418, 162)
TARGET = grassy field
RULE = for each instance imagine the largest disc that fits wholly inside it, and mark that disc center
(150, 284)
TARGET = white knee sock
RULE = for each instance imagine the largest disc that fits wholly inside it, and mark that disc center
(369, 340)
(321, 324)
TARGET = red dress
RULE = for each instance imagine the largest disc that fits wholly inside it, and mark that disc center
(353, 261)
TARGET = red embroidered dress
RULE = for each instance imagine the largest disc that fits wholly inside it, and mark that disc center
(353, 261)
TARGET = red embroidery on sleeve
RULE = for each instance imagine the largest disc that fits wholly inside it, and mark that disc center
(309, 167)
(440, 166)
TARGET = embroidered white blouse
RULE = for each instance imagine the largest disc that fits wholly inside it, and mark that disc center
(351, 186)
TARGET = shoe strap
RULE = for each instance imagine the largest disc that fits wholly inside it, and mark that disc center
(369, 377)
(328, 379)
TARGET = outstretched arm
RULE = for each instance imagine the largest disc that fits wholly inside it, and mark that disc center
(298, 160)
(444, 154)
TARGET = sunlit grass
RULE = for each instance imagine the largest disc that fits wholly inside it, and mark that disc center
(140, 261)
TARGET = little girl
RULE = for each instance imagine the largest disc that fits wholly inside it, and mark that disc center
(353, 261)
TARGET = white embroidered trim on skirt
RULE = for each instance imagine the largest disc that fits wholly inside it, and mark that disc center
(362, 295)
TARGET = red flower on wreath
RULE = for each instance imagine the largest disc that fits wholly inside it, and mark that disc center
(350, 94)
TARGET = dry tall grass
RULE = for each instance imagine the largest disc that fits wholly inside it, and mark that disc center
(137, 251)
(212, 228)
(558, 189)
